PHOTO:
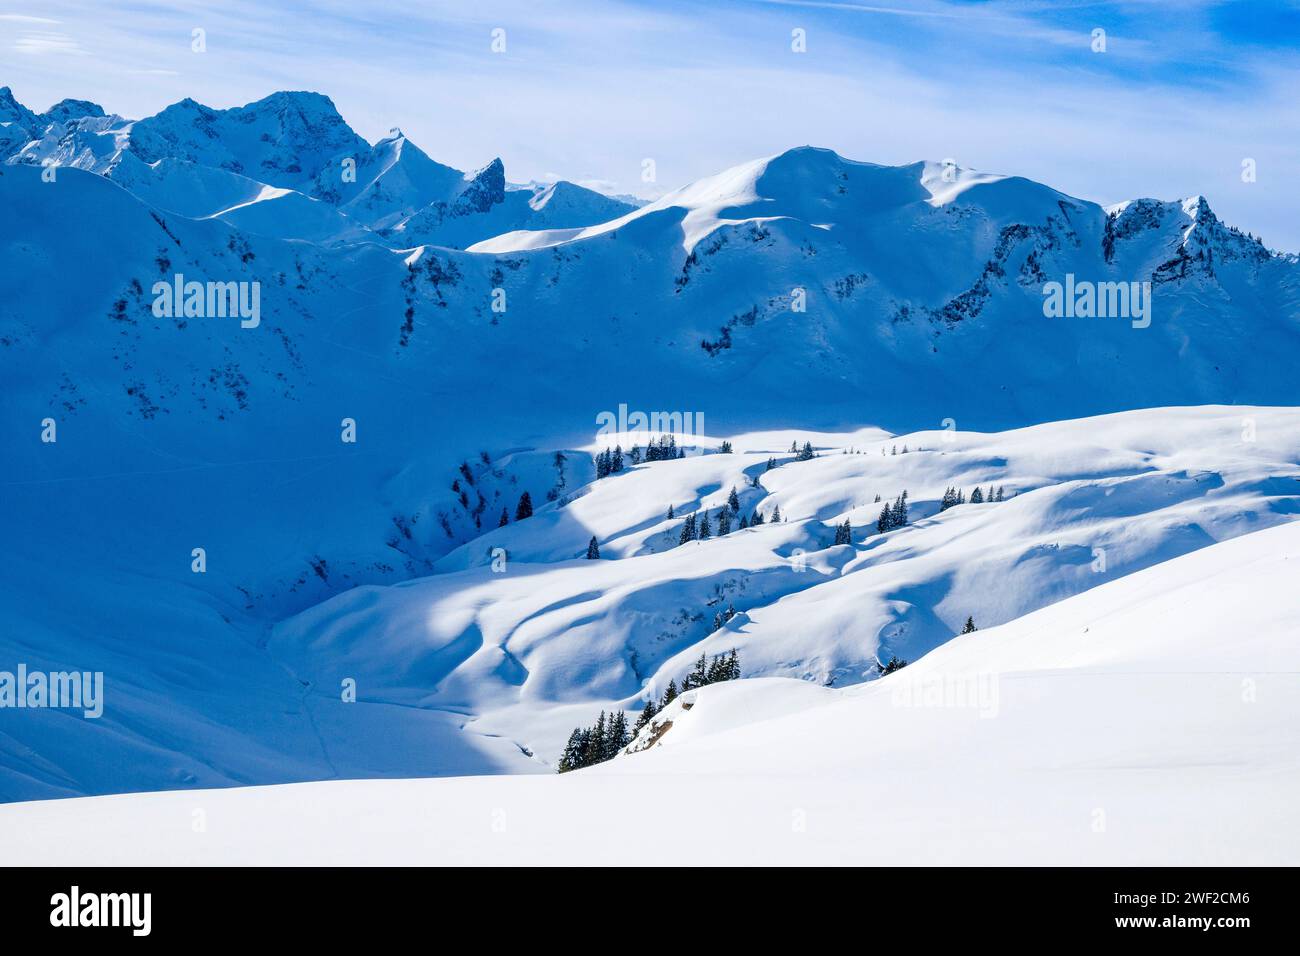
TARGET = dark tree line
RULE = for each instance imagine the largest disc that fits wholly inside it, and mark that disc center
(612, 461)
(895, 664)
(701, 526)
(955, 496)
(893, 515)
(609, 734)
(595, 744)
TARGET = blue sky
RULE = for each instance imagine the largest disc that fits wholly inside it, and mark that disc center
(587, 89)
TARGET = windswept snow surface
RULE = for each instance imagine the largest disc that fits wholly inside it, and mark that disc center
(1152, 720)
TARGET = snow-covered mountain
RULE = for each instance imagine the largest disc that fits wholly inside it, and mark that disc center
(289, 166)
(1150, 721)
(474, 334)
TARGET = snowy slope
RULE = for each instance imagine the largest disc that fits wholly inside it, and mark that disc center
(466, 372)
(1091, 501)
(1149, 721)
(496, 667)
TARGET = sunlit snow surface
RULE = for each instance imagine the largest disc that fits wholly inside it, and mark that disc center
(1151, 720)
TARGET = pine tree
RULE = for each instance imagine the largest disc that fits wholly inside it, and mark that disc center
(794, 447)
(688, 530)
(806, 453)
(615, 735)
(593, 549)
(999, 495)
(670, 694)
(893, 516)
(572, 757)
(969, 627)
(755, 520)
(647, 714)
(704, 532)
(895, 664)
(844, 533)
(771, 463)
(594, 751)
(698, 677)
(977, 496)
(725, 449)
(525, 508)
(776, 515)
(715, 669)
(733, 501)
(505, 518)
(724, 521)
(670, 512)
(744, 523)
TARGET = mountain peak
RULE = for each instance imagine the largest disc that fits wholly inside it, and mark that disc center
(70, 109)
(486, 188)
(11, 111)
(285, 139)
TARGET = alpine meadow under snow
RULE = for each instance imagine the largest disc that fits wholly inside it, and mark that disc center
(364, 522)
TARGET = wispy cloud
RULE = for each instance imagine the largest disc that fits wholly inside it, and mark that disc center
(23, 18)
(45, 44)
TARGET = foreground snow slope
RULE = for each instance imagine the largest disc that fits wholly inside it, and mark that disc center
(1151, 720)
